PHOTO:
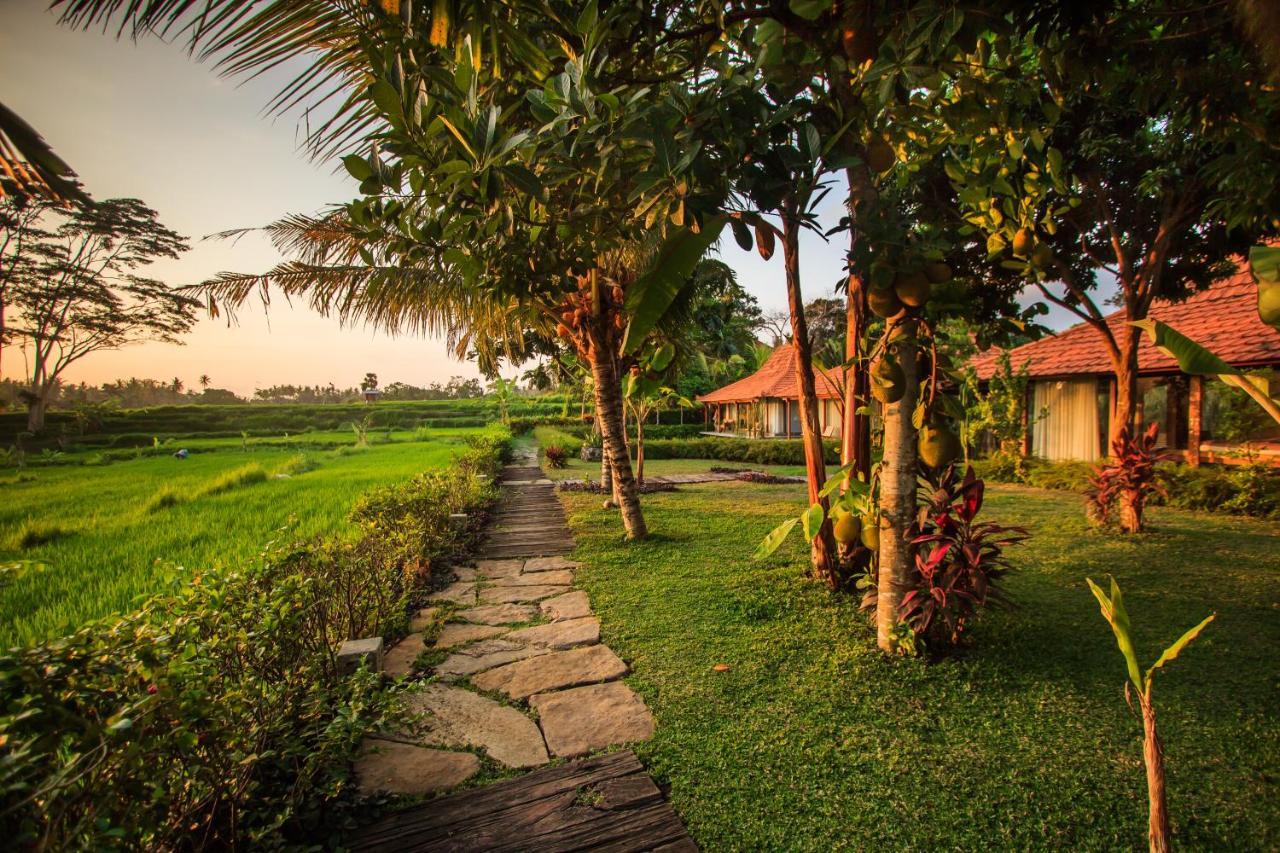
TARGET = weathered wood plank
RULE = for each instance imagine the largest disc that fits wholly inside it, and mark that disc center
(601, 803)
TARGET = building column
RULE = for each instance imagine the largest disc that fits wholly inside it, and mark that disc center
(786, 415)
(1195, 410)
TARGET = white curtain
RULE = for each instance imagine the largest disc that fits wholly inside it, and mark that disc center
(1070, 430)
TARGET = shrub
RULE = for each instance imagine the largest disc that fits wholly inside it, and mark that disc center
(756, 451)
(557, 456)
(958, 562)
(299, 464)
(1127, 478)
(213, 716)
(547, 436)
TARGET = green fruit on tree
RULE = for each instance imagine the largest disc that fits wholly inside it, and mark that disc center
(1041, 256)
(870, 533)
(937, 272)
(888, 382)
(847, 528)
(938, 445)
(881, 275)
(1023, 242)
(884, 303)
(880, 156)
(1269, 302)
(912, 288)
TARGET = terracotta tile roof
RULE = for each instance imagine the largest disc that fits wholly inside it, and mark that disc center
(1223, 318)
(775, 378)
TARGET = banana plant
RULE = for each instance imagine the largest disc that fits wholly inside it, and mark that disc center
(1113, 610)
(1195, 359)
(643, 394)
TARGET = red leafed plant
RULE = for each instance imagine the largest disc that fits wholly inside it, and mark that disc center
(959, 562)
(557, 456)
(1127, 479)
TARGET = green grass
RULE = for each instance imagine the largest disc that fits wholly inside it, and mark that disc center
(108, 534)
(812, 740)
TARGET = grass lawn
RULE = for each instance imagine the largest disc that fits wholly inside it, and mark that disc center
(814, 741)
(106, 543)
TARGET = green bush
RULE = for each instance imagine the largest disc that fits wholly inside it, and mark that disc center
(1236, 489)
(771, 451)
(213, 716)
(547, 436)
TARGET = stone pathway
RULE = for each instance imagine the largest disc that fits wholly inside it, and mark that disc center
(522, 677)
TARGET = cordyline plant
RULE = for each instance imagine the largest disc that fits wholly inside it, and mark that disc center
(958, 562)
(1114, 612)
(1127, 479)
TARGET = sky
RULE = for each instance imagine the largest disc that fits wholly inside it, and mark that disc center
(145, 120)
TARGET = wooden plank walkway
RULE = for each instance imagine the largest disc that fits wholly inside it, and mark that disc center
(606, 803)
(529, 521)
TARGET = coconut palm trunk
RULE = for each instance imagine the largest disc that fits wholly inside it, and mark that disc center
(824, 546)
(897, 500)
(855, 432)
(602, 353)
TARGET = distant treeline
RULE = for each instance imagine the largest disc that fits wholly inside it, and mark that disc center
(141, 393)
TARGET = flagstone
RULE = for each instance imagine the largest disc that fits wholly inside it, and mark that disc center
(457, 717)
(483, 655)
(498, 568)
(548, 564)
(402, 768)
(499, 614)
(554, 578)
(560, 635)
(423, 619)
(553, 671)
(583, 719)
(514, 594)
(571, 605)
(459, 592)
(457, 633)
(398, 662)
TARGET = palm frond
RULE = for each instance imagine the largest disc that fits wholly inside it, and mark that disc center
(29, 167)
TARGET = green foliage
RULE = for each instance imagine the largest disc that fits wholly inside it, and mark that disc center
(1113, 610)
(215, 712)
(1236, 489)
(758, 451)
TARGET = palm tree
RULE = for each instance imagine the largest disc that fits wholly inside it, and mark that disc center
(204, 380)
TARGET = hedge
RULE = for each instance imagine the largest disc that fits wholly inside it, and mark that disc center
(1236, 489)
(213, 716)
(771, 451)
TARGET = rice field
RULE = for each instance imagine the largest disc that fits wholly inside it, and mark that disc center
(98, 534)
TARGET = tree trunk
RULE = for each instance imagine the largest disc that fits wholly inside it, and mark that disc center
(36, 410)
(1130, 516)
(855, 431)
(823, 546)
(640, 451)
(897, 500)
(1153, 755)
(606, 467)
(1126, 371)
(609, 406)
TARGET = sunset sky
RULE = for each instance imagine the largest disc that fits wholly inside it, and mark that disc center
(145, 120)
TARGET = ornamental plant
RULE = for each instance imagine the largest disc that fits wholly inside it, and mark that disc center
(1114, 612)
(1127, 479)
(557, 456)
(959, 562)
